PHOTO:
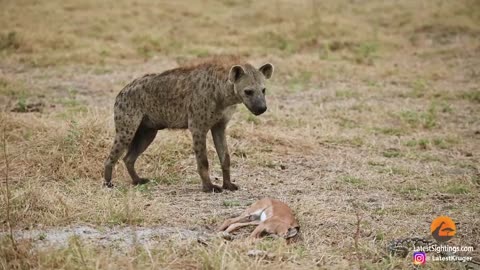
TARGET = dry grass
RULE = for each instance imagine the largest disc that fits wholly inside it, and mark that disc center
(374, 111)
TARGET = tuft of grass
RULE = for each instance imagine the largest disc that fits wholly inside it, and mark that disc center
(200, 52)
(394, 171)
(423, 143)
(22, 104)
(426, 119)
(391, 131)
(279, 42)
(14, 89)
(346, 93)
(252, 119)
(419, 88)
(472, 95)
(231, 203)
(356, 141)
(148, 45)
(414, 192)
(352, 180)
(300, 81)
(42, 236)
(376, 163)
(438, 142)
(411, 143)
(456, 188)
(168, 180)
(366, 52)
(392, 153)
(9, 41)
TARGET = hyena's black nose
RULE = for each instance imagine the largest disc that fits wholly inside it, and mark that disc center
(261, 110)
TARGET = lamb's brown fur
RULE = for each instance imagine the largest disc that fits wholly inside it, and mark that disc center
(200, 97)
(271, 216)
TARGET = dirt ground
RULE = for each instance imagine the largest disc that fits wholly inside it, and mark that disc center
(373, 131)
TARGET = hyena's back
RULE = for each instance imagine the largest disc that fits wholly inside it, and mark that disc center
(158, 98)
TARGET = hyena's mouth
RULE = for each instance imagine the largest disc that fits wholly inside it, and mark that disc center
(260, 111)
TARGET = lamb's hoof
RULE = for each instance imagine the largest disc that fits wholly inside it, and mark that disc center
(141, 181)
(226, 235)
(212, 188)
(108, 184)
(230, 186)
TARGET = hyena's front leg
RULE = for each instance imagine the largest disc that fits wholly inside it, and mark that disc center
(220, 141)
(200, 148)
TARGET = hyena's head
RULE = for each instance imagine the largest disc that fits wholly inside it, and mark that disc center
(249, 85)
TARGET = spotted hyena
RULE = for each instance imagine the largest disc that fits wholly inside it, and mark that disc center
(201, 98)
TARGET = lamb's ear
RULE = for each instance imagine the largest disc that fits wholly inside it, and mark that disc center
(267, 70)
(291, 233)
(235, 73)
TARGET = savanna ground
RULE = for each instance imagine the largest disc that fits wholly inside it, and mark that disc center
(374, 118)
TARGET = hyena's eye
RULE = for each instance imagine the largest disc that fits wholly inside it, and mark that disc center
(263, 90)
(249, 92)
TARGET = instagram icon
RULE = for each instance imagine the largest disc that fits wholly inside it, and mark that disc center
(419, 258)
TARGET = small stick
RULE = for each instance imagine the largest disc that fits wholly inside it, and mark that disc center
(357, 237)
(7, 190)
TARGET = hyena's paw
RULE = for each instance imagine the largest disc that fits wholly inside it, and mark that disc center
(141, 181)
(230, 186)
(212, 188)
(108, 184)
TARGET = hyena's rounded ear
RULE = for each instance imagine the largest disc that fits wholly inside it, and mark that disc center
(292, 232)
(267, 70)
(235, 73)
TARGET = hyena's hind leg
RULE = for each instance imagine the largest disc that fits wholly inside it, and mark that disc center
(125, 127)
(143, 138)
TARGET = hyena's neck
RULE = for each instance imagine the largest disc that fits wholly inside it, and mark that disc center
(228, 96)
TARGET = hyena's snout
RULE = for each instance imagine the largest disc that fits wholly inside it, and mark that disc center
(258, 106)
(260, 109)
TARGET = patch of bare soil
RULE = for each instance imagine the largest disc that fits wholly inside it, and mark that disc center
(120, 238)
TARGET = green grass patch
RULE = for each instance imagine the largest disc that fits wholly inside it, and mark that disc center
(354, 141)
(9, 41)
(472, 95)
(394, 171)
(277, 41)
(366, 52)
(414, 191)
(352, 180)
(231, 203)
(392, 153)
(14, 89)
(376, 163)
(418, 88)
(391, 131)
(456, 188)
(170, 179)
(346, 93)
(429, 158)
(437, 142)
(426, 119)
(300, 81)
(252, 119)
